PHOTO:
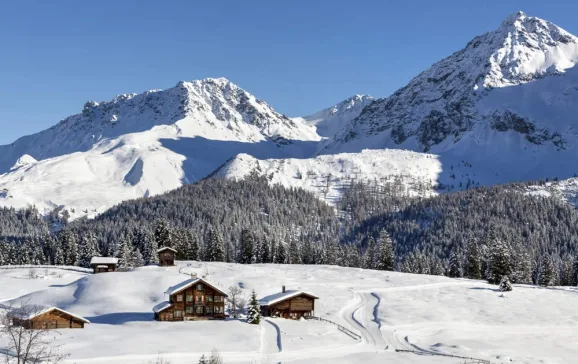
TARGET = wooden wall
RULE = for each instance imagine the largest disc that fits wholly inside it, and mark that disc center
(51, 320)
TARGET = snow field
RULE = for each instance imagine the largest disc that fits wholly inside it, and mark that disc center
(389, 310)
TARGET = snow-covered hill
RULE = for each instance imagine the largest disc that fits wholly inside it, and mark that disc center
(389, 310)
(327, 175)
(506, 104)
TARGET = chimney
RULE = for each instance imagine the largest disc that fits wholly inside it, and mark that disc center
(283, 289)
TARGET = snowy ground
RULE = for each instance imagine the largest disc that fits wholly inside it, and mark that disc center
(389, 310)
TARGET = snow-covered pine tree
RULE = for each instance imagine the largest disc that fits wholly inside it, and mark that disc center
(505, 285)
(575, 272)
(214, 246)
(69, 247)
(254, 310)
(547, 274)
(474, 264)
(565, 273)
(386, 253)
(369, 258)
(294, 253)
(124, 253)
(87, 248)
(498, 262)
(163, 234)
(280, 253)
(247, 243)
(455, 267)
(522, 270)
(149, 247)
(136, 259)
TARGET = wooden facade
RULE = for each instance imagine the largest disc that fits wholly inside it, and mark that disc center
(52, 318)
(166, 256)
(103, 264)
(289, 304)
(192, 300)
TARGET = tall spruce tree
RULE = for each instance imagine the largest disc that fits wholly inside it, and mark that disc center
(547, 274)
(294, 253)
(247, 243)
(455, 267)
(280, 253)
(474, 264)
(163, 234)
(498, 262)
(254, 311)
(370, 256)
(124, 253)
(87, 248)
(386, 253)
(215, 249)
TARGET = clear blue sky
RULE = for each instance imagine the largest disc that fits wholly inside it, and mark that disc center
(299, 56)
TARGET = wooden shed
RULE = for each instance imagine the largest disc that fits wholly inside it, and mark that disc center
(166, 256)
(103, 264)
(193, 299)
(288, 304)
(43, 317)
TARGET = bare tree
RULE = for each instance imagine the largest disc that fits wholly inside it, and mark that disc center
(236, 301)
(23, 345)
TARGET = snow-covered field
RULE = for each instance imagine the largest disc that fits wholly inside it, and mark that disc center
(389, 310)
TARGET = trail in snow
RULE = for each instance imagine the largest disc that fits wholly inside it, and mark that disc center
(270, 338)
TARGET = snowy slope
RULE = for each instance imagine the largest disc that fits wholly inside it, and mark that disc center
(327, 175)
(389, 310)
(146, 144)
(505, 104)
(331, 120)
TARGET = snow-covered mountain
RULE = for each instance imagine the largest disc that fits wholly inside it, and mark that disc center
(331, 120)
(503, 108)
(145, 144)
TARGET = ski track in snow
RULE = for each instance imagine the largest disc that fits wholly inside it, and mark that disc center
(270, 339)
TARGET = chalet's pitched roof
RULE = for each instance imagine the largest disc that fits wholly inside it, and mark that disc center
(166, 248)
(161, 306)
(190, 282)
(28, 312)
(282, 296)
(103, 260)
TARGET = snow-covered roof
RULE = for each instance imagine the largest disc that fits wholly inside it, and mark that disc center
(103, 260)
(102, 266)
(28, 312)
(161, 306)
(282, 296)
(166, 248)
(188, 283)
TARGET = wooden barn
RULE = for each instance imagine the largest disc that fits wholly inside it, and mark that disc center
(42, 317)
(193, 299)
(103, 264)
(166, 256)
(288, 304)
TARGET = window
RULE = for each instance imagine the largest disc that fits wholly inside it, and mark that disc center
(199, 298)
(178, 313)
(218, 299)
(199, 309)
(209, 309)
(190, 297)
(218, 309)
(189, 309)
(199, 287)
(179, 298)
(209, 298)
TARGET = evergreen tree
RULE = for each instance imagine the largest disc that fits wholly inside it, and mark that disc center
(254, 311)
(294, 253)
(88, 248)
(280, 254)
(386, 254)
(215, 249)
(566, 271)
(369, 259)
(247, 243)
(149, 247)
(474, 266)
(124, 253)
(203, 360)
(547, 275)
(505, 285)
(498, 262)
(163, 234)
(69, 247)
(136, 259)
(522, 270)
(575, 272)
(455, 268)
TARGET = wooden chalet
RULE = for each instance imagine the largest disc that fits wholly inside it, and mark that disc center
(103, 264)
(42, 317)
(288, 304)
(193, 299)
(166, 256)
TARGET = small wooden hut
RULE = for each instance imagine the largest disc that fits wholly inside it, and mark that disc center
(290, 304)
(166, 256)
(44, 317)
(193, 299)
(103, 264)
